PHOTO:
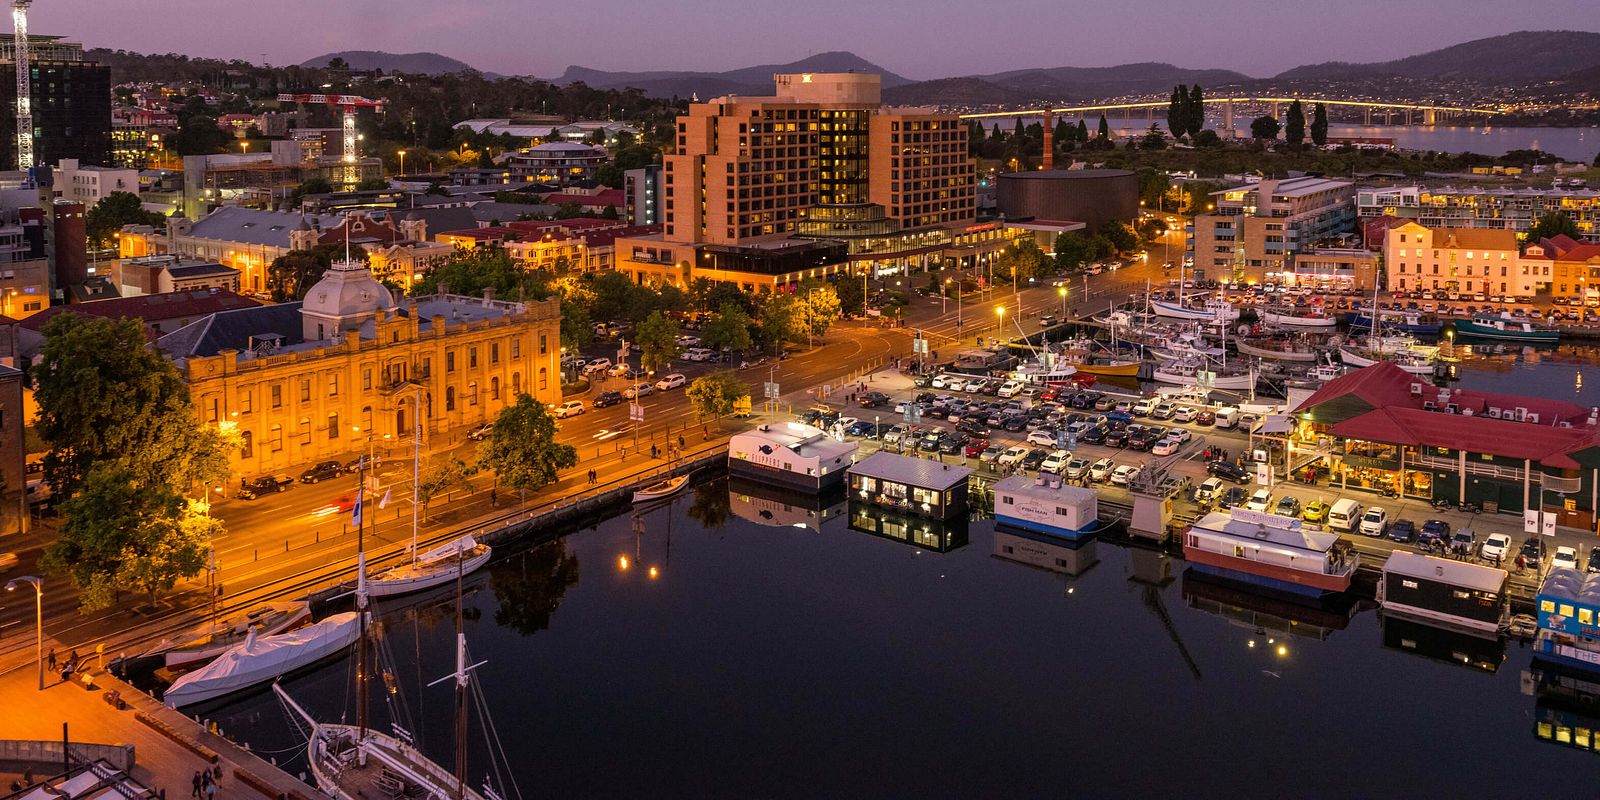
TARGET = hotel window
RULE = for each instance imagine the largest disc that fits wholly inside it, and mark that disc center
(449, 361)
(516, 384)
(494, 352)
(333, 425)
(472, 393)
(333, 385)
(544, 378)
(366, 378)
(472, 358)
(494, 388)
(305, 431)
(544, 345)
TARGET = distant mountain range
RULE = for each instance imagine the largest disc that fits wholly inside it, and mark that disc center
(415, 63)
(1546, 60)
(747, 81)
(1512, 58)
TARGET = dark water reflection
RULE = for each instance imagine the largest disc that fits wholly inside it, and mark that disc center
(796, 657)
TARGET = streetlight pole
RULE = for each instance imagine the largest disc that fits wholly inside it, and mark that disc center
(38, 615)
(1000, 322)
(1063, 292)
(402, 163)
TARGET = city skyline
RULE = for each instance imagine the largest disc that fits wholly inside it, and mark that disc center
(730, 35)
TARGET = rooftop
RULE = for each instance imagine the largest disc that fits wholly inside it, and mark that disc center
(919, 472)
(1268, 529)
(803, 440)
(169, 305)
(253, 226)
(1455, 573)
(1565, 583)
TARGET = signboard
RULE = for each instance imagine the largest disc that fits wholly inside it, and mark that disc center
(770, 390)
(636, 412)
(1547, 525)
(919, 345)
(1205, 379)
(1530, 521)
(1264, 474)
(1066, 440)
(1263, 518)
(913, 413)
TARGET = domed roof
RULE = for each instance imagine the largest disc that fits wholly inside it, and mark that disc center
(347, 290)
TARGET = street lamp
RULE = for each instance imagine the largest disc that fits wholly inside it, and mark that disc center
(244, 146)
(1000, 321)
(1063, 292)
(402, 163)
(38, 614)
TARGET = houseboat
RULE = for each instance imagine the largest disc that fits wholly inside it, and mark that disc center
(1475, 650)
(1456, 593)
(1569, 633)
(1045, 505)
(910, 485)
(1271, 551)
(1506, 328)
(791, 454)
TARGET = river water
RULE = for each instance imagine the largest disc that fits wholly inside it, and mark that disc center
(739, 647)
(1572, 144)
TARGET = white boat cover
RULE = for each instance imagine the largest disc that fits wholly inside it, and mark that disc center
(257, 660)
(450, 550)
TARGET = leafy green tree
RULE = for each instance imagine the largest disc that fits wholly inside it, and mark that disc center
(115, 210)
(714, 395)
(1083, 130)
(372, 185)
(577, 329)
(1264, 128)
(1208, 139)
(1319, 125)
(522, 451)
(1551, 223)
(782, 320)
(1153, 139)
(997, 135)
(1104, 133)
(852, 296)
(443, 475)
(106, 397)
(1123, 239)
(198, 135)
(657, 337)
(1072, 250)
(609, 174)
(469, 271)
(310, 186)
(1294, 132)
(722, 293)
(728, 329)
(292, 274)
(819, 306)
(121, 533)
(1022, 260)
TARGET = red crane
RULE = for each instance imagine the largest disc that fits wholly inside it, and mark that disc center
(347, 103)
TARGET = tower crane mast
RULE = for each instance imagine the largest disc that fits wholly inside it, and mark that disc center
(347, 103)
(19, 26)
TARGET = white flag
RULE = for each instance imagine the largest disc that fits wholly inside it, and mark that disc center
(355, 510)
(385, 501)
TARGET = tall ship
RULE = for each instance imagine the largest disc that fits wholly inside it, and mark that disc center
(791, 454)
(1271, 551)
(1506, 328)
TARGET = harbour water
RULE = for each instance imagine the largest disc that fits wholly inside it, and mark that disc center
(1572, 144)
(728, 646)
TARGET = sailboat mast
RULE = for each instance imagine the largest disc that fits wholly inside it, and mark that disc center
(416, 466)
(461, 689)
(361, 604)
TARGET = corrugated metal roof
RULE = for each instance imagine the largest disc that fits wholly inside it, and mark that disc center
(919, 472)
(1455, 573)
(1565, 583)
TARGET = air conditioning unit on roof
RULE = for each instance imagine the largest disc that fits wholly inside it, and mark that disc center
(1494, 413)
(1522, 414)
(1533, 418)
(1416, 389)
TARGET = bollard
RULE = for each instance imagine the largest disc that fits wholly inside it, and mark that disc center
(258, 554)
(285, 545)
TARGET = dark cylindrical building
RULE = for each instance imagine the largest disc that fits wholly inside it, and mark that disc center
(1091, 196)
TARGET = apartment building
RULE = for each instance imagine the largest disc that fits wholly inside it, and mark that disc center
(1572, 268)
(1252, 232)
(1501, 208)
(1460, 260)
(88, 184)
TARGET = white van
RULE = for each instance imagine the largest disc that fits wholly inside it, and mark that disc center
(1344, 515)
(1227, 417)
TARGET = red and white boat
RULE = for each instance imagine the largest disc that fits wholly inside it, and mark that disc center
(1271, 551)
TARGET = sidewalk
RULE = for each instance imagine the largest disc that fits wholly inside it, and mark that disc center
(168, 747)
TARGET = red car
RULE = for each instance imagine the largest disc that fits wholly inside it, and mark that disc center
(1205, 418)
(975, 448)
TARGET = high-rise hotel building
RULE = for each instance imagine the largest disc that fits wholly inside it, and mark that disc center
(817, 179)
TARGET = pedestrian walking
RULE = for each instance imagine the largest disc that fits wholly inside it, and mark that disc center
(494, 497)
(52, 659)
(681, 443)
(195, 785)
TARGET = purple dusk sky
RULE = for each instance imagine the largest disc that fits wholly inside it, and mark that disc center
(916, 38)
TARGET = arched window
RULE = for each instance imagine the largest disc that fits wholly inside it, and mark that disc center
(516, 383)
(247, 448)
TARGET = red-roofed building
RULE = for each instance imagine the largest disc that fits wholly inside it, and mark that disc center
(160, 313)
(1385, 428)
(591, 249)
(593, 203)
(472, 237)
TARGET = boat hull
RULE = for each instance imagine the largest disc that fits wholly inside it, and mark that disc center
(1313, 584)
(1275, 355)
(1358, 320)
(1049, 530)
(1127, 369)
(353, 782)
(1356, 360)
(1477, 331)
(379, 586)
(324, 639)
(1175, 311)
(1298, 322)
(1220, 382)
(761, 472)
(657, 491)
(180, 656)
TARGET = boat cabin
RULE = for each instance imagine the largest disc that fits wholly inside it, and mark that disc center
(791, 454)
(1046, 505)
(912, 485)
(1569, 619)
(1441, 589)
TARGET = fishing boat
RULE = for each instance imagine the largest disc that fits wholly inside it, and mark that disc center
(1413, 358)
(433, 568)
(662, 488)
(1278, 348)
(1197, 372)
(1413, 322)
(1088, 356)
(259, 659)
(1271, 551)
(1504, 327)
(1298, 317)
(214, 638)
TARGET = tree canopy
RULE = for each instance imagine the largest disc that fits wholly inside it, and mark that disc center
(1294, 131)
(1551, 223)
(115, 210)
(728, 328)
(714, 395)
(657, 338)
(1319, 125)
(1264, 127)
(469, 271)
(523, 451)
(292, 274)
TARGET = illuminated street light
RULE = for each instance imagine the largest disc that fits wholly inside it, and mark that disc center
(38, 615)
(1063, 292)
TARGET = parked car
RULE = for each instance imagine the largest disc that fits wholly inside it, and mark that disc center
(1229, 470)
(1433, 531)
(1144, 407)
(1233, 497)
(1594, 559)
(638, 390)
(1035, 458)
(1043, 437)
(1463, 541)
(953, 442)
(1165, 447)
(872, 399)
(477, 434)
(1205, 417)
(1288, 506)
(975, 448)
(1056, 462)
(1124, 474)
(365, 461)
(597, 365)
(1375, 522)
(992, 453)
(1261, 500)
(1402, 530)
(1208, 490)
(1011, 456)
(264, 485)
(321, 472)
(1495, 547)
(1184, 414)
(1564, 558)
(571, 408)
(1163, 411)
(1100, 471)
(605, 399)
(671, 381)
(1076, 469)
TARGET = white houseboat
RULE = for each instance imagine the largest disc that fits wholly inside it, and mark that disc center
(1271, 551)
(1045, 505)
(791, 454)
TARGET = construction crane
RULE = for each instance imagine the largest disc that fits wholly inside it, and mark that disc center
(19, 26)
(347, 103)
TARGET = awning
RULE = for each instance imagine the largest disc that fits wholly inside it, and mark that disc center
(1277, 423)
